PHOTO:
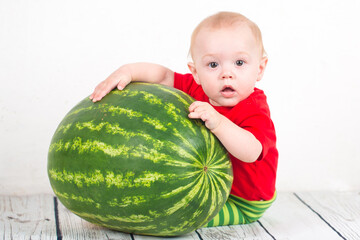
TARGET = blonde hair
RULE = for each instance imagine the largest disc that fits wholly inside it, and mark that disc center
(227, 19)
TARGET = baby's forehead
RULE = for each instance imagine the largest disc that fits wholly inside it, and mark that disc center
(241, 27)
(240, 33)
(243, 30)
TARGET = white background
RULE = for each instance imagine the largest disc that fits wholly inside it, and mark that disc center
(53, 53)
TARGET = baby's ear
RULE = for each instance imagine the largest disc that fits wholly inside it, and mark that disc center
(192, 68)
(262, 66)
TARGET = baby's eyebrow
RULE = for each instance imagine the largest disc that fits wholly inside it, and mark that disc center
(209, 56)
(242, 53)
(235, 55)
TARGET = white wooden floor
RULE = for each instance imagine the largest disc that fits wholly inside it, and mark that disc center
(310, 215)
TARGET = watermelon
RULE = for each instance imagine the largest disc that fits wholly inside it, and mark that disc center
(136, 163)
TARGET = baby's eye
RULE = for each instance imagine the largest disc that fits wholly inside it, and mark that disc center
(213, 64)
(239, 62)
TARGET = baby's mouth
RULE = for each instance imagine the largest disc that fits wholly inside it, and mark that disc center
(227, 91)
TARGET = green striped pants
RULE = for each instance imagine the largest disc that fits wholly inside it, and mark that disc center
(240, 211)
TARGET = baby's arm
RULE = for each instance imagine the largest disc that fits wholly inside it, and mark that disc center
(144, 72)
(241, 143)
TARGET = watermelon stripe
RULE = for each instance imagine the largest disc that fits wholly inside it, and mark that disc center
(204, 192)
(179, 96)
(190, 196)
(220, 163)
(146, 96)
(211, 143)
(115, 129)
(79, 110)
(126, 201)
(77, 144)
(123, 202)
(120, 181)
(210, 187)
(106, 108)
(171, 109)
(220, 181)
(89, 146)
(176, 206)
(133, 229)
(131, 219)
(156, 123)
(198, 157)
(121, 111)
(128, 179)
(176, 191)
(63, 128)
(80, 199)
(214, 193)
(223, 176)
(209, 139)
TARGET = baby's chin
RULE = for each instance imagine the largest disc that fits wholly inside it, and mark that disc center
(224, 102)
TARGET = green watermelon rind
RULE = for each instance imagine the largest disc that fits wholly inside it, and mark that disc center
(135, 162)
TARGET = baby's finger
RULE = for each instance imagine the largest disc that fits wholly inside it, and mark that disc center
(102, 89)
(95, 92)
(98, 94)
(94, 96)
(123, 83)
(194, 115)
(194, 106)
(199, 115)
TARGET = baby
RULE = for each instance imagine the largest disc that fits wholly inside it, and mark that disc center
(228, 59)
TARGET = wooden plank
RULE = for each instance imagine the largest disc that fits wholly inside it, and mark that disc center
(289, 218)
(27, 217)
(341, 210)
(73, 227)
(247, 231)
(190, 236)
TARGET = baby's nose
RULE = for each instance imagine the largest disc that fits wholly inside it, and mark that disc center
(227, 74)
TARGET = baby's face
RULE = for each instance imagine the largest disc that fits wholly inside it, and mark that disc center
(227, 64)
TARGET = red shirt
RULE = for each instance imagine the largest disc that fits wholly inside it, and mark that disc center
(252, 181)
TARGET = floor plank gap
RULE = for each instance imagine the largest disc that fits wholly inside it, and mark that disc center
(57, 223)
(198, 235)
(258, 221)
(319, 215)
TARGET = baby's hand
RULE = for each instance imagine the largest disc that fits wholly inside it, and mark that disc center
(205, 112)
(117, 79)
